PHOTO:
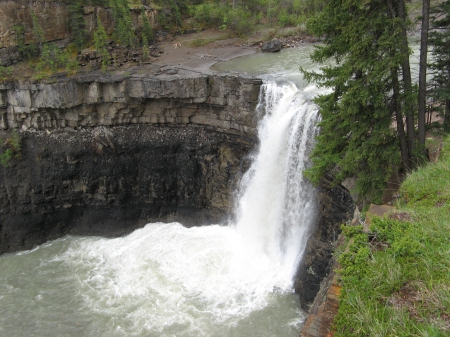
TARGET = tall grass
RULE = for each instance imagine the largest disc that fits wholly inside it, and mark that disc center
(396, 279)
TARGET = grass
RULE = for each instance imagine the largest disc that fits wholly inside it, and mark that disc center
(396, 278)
(199, 42)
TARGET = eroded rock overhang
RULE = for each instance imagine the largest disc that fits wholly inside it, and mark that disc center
(105, 154)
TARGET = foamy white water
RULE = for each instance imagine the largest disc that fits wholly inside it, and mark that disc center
(168, 280)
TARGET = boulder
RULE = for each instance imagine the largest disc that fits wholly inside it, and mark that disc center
(271, 46)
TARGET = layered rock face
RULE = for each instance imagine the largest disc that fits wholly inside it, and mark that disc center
(149, 96)
(336, 208)
(104, 155)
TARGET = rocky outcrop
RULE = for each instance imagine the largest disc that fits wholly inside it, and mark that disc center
(336, 208)
(143, 95)
(103, 155)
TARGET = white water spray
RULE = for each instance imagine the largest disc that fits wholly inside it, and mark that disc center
(168, 280)
(277, 204)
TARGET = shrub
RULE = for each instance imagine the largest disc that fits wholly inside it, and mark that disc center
(101, 43)
(53, 58)
(12, 148)
(5, 72)
(240, 22)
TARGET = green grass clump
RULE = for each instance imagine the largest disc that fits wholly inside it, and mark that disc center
(396, 278)
(10, 148)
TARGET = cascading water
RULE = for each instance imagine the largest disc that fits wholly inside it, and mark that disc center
(277, 204)
(168, 280)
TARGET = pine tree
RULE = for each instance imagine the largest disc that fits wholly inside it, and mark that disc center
(439, 40)
(122, 22)
(147, 30)
(77, 25)
(365, 42)
(101, 43)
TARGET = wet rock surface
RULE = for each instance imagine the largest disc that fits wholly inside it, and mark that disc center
(271, 46)
(110, 181)
(336, 208)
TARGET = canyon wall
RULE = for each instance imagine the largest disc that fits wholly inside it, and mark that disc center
(102, 155)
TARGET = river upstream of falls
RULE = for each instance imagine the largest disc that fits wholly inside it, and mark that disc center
(233, 279)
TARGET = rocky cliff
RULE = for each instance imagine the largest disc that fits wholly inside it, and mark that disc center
(336, 208)
(105, 154)
(16, 22)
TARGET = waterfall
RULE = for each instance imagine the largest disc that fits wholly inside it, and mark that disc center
(169, 280)
(276, 206)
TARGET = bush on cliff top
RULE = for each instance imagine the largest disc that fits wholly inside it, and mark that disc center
(396, 279)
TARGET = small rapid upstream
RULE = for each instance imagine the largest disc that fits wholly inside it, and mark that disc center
(168, 280)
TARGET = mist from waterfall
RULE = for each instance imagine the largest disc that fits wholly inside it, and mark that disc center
(276, 206)
(168, 280)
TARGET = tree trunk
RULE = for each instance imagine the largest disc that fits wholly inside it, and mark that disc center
(399, 119)
(447, 115)
(447, 107)
(409, 108)
(423, 73)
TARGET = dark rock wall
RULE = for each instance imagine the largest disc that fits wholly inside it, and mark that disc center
(336, 208)
(109, 181)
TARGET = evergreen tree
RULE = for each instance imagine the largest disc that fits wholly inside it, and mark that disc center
(147, 30)
(365, 42)
(122, 22)
(38, 32)
(439, 40)
(423, 75)
(101, 43)
(77, 24)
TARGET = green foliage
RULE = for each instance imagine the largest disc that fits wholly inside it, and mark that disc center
(12, 148)
(95, 2)
(398, 282)
(5, 72)
(52, 58)
(428, 186)
(38, 32)
(77, 25)
(26, 51)
(439, 39)
(147, 30)
(361, 50)
(5, 157)
(240, 21)
(101, 44)
(170, 16)
(123, 28)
